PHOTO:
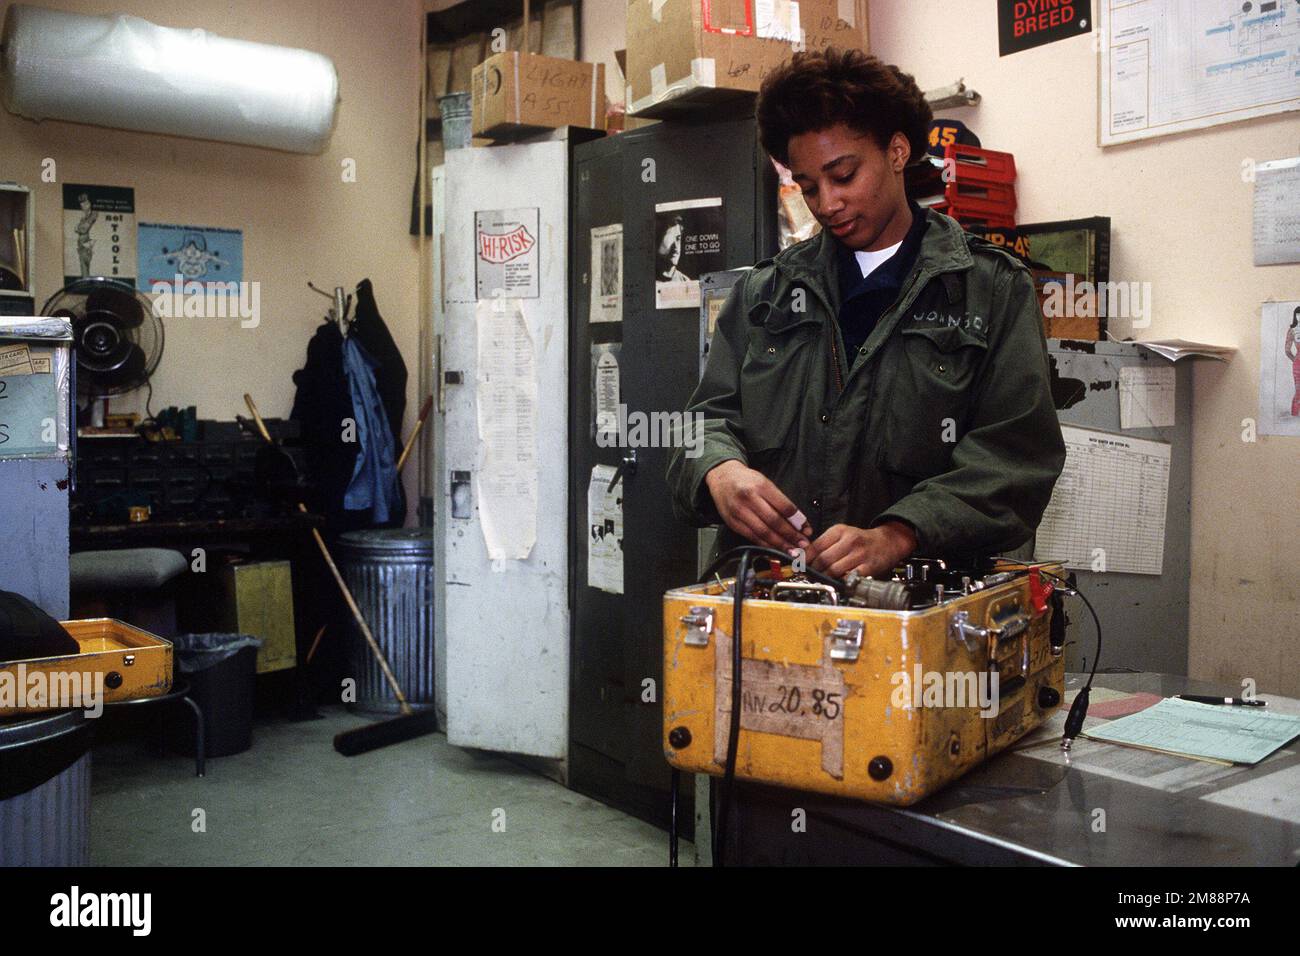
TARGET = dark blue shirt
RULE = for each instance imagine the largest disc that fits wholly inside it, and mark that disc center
(863, 300)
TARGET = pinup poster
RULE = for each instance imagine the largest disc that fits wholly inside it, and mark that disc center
(98, 232)
(688, 243)
(1279, 379)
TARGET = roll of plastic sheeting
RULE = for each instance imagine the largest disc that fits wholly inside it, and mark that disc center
(128, 73)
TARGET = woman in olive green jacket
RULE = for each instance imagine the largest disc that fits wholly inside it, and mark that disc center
(881, 389)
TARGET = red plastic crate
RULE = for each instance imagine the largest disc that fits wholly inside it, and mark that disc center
(979, 198)
(981, 165)
(969, 217)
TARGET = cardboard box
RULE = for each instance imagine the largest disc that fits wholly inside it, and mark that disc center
(520, 93)
(687, 54)
(628, 122)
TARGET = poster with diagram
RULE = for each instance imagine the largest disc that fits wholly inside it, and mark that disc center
(1172, 65)
(208, 255)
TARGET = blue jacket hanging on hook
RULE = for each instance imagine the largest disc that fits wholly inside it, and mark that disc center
(374, 482)
(324, 399)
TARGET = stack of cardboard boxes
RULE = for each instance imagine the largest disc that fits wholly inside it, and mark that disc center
(682, 55)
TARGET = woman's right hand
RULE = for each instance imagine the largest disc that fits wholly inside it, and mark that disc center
(754, 507)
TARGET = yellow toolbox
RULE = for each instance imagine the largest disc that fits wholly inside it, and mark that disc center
(117, 662)
(886, 695)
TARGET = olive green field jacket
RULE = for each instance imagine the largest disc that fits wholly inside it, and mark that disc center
(943, 419)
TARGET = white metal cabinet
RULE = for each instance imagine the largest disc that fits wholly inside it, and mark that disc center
(506, 628)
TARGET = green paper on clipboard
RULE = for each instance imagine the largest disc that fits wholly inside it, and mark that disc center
(1244, 735)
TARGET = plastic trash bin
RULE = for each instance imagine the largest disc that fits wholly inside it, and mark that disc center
(221, 670)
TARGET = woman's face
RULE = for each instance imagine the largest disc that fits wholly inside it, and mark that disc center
(851, 185)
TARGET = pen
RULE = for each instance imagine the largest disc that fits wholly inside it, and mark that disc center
(1233, 701)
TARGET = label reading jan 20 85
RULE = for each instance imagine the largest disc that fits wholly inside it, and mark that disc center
(790, 700)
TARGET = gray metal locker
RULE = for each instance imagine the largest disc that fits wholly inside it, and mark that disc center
(616, 740)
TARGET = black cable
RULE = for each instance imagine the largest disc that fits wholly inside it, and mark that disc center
(733, 733)
(672, 819)
(718, 820)
(1079, 707)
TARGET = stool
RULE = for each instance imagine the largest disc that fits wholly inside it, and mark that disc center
(132, 585)
(180, 691)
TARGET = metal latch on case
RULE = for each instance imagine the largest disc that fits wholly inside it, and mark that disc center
(971, 635)
(846, 640)
(699, 624)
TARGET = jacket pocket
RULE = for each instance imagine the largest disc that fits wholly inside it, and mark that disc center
(774, 376)
(929, 398)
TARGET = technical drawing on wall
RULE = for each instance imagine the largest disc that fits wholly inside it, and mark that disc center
(1174, 65)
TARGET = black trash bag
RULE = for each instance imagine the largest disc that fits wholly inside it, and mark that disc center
(199, 652)
(27, 632)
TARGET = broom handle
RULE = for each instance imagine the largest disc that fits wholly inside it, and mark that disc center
(343, 587)
(415, 433)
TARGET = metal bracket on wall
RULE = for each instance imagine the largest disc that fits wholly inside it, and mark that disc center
(952, 96)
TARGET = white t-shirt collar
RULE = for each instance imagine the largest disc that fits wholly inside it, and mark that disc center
(869, 262)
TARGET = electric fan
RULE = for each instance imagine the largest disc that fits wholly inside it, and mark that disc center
(117, 336)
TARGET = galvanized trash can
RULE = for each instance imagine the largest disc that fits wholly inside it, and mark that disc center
(390, 573)
(45, 790)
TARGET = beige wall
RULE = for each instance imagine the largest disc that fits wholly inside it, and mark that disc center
(1181, 219)
(300, 220)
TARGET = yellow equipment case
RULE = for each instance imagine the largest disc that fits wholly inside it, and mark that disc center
(883, 705)
(130, 663)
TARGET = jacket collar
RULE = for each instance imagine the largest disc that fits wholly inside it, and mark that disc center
(815, 262)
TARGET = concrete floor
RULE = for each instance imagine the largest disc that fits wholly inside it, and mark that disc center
(291, 800)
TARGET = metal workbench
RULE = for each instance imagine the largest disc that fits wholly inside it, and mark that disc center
(1033, 805)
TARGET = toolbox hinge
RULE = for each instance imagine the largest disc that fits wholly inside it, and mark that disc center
(699, 624)
(846, 640)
